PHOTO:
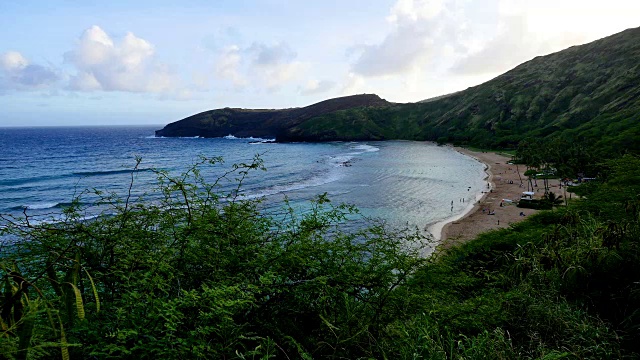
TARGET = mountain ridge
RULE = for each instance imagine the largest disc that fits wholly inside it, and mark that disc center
(588, 92)
(265, 123)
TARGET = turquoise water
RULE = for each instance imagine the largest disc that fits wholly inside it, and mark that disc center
(402, 182)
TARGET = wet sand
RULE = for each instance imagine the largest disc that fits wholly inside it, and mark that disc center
(504, 183)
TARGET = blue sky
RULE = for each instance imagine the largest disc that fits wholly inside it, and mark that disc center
(154, 62)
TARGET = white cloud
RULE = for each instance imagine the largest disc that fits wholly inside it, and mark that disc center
(275, 65)
(419, 29)
(84, 81)
(354, 84)
(229, 64)
(510, 47)
(592, 19)
(526, 29)
(124, 65)
(412, 10)
(17, 73)
(272, 66)
(313, 87)
(429, 40)
(13, 61)
(264, 55)
(404, 49)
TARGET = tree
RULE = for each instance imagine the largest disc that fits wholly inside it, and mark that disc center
(552, 199)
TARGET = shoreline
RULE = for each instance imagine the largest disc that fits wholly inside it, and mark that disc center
(438, 230)
(505, 188)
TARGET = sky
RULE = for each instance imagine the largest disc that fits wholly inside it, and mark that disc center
(75, 62)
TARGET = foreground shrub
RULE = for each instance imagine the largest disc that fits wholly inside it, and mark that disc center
(201, 274)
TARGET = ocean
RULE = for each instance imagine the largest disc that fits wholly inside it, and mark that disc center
(404, 183)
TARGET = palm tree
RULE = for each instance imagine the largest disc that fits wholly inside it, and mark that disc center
(552, 199)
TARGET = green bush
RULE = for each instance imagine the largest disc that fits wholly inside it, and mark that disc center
(534, 204)
(204, 274)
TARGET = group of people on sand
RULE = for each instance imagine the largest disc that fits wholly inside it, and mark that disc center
(488, 211)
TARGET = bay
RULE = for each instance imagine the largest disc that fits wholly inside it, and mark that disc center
(405, 183)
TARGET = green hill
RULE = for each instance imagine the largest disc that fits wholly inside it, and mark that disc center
(589, 92)
(265, 123)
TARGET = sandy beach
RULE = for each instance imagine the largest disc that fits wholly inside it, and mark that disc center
(504, 186)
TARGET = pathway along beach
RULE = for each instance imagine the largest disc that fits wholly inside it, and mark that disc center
(505, 184)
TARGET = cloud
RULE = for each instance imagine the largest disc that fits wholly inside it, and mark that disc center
(13, 60)
(513, 45)
(84, 81)
(271, 65)
(17, 73)
(401, 51)
(228, 66)
(469, 39)
(317, 87)
(274, 64)
(415, 11)
(419, 31)
(354, 84)
(529, 29)
(505, 50)
(124, 65)
(264, 55)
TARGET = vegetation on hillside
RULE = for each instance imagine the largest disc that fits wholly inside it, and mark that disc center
(587, 93)
(265, 123)
(205, 274)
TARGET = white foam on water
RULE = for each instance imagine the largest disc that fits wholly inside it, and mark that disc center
(250, 138)
(169, 137)
(59, 219)
(41, 206)
(334, 173)
(365, 148)
(336, 162)
(278, 189)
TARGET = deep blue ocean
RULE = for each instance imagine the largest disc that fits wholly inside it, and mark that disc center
(405, 183)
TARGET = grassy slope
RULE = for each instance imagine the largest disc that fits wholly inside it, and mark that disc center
(589, 91)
